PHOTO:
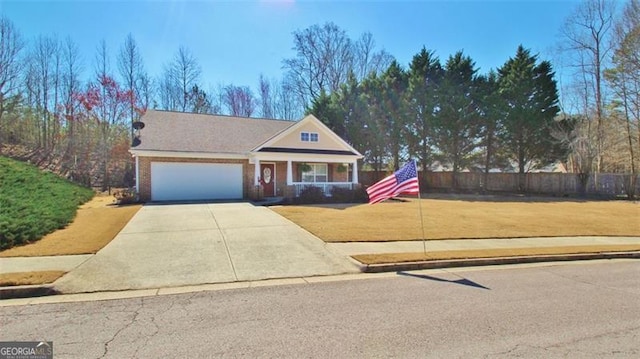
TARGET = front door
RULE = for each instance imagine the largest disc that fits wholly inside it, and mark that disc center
(268, 173)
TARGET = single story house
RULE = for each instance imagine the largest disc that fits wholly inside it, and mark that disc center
(188, 156)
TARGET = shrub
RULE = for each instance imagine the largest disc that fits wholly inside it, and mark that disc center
(360, 195)
(310, 195)
(125, 196)
(346, 195)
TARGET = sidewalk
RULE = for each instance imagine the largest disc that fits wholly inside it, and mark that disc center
(566, 248)
(354, 248)
(68, 263)
(47, 263)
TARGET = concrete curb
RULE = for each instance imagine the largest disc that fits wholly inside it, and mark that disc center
(27, 291)
(439, 264)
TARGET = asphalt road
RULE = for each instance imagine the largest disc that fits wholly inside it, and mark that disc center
(587, 310)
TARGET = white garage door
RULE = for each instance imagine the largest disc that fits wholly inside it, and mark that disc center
(195, 181)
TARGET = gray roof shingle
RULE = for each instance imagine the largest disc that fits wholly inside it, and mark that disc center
(190, 132)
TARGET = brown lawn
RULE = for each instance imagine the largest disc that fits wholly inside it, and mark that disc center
(452, 219)
(29, 278)
(490, 253)
(96, 224)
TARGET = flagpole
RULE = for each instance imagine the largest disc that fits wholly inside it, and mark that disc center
(424, 240)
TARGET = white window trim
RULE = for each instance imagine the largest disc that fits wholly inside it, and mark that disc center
(315, 174)
(309, 136)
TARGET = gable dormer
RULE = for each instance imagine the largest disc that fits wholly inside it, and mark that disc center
(311, 134)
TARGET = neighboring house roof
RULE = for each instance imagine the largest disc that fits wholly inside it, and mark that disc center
(178, 132)
(191, 132)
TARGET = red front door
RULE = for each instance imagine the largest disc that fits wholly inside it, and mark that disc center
(268, 177)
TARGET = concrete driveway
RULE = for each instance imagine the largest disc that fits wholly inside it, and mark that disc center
(187, 244)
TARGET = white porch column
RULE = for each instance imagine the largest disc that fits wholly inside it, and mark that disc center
(137, 175)
(256, 175)
(354, 173)
(289, 173)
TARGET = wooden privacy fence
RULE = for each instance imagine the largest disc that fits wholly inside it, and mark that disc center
(610, 184)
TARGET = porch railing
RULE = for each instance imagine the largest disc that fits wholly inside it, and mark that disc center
(325, 187)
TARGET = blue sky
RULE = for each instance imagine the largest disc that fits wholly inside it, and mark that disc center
(236, 41)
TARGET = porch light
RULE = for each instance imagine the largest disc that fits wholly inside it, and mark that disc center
(136, 142)
(137, 126)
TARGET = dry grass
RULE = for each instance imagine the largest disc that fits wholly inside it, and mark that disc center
(490, 253)
(96, 224)
(29, 278)
(453, 219)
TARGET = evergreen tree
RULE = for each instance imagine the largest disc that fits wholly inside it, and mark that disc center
(375, 122)
(425, 76)
(352, 109)
(326, 110)
(491, 112)
(457, 127)
(531, 99)
(393, 85)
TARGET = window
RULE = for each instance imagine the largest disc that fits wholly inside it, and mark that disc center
(315, 172)
(308, 137)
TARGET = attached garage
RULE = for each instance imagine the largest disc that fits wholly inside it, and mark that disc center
(175, 181)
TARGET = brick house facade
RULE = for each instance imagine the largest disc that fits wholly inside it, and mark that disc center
(303, 153)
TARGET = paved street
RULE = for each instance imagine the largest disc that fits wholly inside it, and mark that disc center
(572, 310)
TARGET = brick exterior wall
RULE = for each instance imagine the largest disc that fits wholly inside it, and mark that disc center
(335, 175)
(250, 191)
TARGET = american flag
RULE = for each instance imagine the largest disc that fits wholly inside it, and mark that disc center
(404, 180)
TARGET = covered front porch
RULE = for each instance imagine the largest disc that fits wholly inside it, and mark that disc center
(274, 176)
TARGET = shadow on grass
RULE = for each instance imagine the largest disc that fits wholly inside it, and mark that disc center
(461, 281)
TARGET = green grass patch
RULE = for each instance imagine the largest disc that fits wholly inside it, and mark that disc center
(34, 203)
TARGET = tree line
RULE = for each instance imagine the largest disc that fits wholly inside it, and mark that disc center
(510, 118)
(447, 112)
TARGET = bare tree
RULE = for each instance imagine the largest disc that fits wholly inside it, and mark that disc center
(108, 106)
(180, 76)
(324, 57)
(102, 65)
(239, 100)
(366, 60)
(265, 96)
(215, 98)
(168, 94)
(146, 92)
(574, 133)
(279, 99)
(132, 71)
(587, 41)
(43, 77)
(11, 44)
(624, 79)
(72, 67)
